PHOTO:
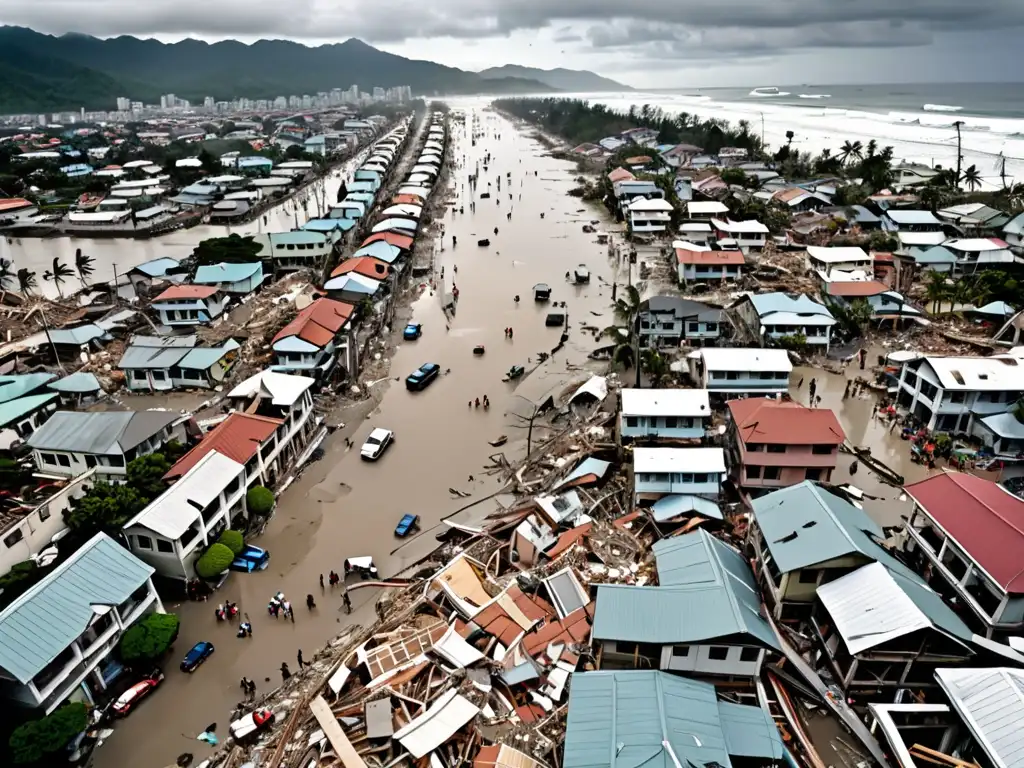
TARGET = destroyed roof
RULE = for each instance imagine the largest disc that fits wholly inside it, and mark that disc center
(652, 719)
(282, 388)
(784, 423)
(238, 437)
(17, 385)
(675, 504)
(504, 756)
(400, 652)
(584, 471)
(873, 605)
(991, 703)
(442, 720)
(804, 525)
(100, 432)
(707, 592)
(156, 267)
(511, 614)
(78, 382)
(982, 517)
(178, 292)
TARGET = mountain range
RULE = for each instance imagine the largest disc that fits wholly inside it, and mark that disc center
(43, 73)
(571, 80)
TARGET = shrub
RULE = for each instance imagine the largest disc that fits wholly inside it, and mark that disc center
(232, 540)
(214, 561)
(259, 501)
(32, 741)
(150, 638)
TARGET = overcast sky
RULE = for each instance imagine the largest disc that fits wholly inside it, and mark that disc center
(644, 43)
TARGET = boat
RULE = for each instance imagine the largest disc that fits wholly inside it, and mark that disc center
(541, 292)
(582, 274)
(515, 372)
(483, 243)
(499, 442)
(478, 349)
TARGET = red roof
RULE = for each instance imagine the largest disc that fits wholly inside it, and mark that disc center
(638, 160)
(11, 203)
(983, 518)
(238, 437)
(686, 256)
(573, 629)
(785, 423)
(494, 620)
(401, 241)
(318, 323)
(408, 199)
(856, 288)
(882, 256)
(187, 292)
(568, 539)
(363, 265)
(621, 174)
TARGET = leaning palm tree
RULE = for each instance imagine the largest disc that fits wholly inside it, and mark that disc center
(6, 273)
(872, 148)
(972, 177)
(84, 266)
(627, 307)
(26, 280)
(845, 152)
(58, 274)
(936, 290)
(622, 353)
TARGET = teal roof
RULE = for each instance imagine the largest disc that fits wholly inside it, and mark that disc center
(359, 197)
(804, 525)
(37, 627)
(81, 381)
(937, 254)
(380, 249)
(624, 719)
(13, 410)
(297, 237)
(18, 385)
(156, 267)
(707, 591)
(204, 358)
(328, 225)
(226, 273)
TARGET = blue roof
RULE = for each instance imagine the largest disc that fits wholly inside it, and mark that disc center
(204, 358)
(361, 186)
(13, 410)
(937, 254)
(252, 162)
(16, 385)
(625, 719)
(156, 267)
(998, 308)
(328, 225)
(226, 272)
(297, 237)
(864, 215)
(707, 591)
(37, 627)
(676, 504)
(359, 197)
(380, 249)
(83, 334)
(80, 381)
(767, 303)
(589, 466)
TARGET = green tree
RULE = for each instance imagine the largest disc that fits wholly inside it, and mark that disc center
(850, 151)
(231, 249)
(38, 739)
(26, 280)
(210, 163)
(57, 274)
(232, 540)
(149, 638)
(84, 265)
(655, 366)
(214, 561)
(733, 176)
(259, 501)
(972, 177)
(17, 581)
(146, 474)
(936, 289)
(106, 507)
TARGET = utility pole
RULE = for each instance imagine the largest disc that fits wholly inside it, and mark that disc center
(959, 153)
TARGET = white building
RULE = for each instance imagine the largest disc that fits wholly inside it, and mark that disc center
(187, 305)
(56, 640)
(658, 472)
(748, 235)
(776, 316)
(845, 259)
(705, 210)
(649, 216)
(674, 414)
(739, 371)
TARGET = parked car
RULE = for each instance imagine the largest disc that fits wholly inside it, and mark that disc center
(130, 699)
(422, 376)
(197, 654)
(376, 444)
(407, 524)
(412, 331)
(247, 727)
(250, 559)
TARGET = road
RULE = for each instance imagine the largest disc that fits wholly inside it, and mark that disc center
(343, 507)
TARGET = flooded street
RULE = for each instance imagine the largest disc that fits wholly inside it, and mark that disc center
(343, 507)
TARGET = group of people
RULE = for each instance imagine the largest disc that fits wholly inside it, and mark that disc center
(279, 606)
(334, 580)
(248, 687)
(486, 403)
(225, 611)
(508, 332)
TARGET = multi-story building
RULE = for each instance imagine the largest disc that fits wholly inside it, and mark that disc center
(741, 371)
(664, 414)
(776, 316)
(659, 472)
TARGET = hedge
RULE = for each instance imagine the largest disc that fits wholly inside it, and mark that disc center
(214, 561)
(34, 740)
(149, 638)
(259, 501)
(232, 540)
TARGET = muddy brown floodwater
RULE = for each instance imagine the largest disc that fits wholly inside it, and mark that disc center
(343, 507)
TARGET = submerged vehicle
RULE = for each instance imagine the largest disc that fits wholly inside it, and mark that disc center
(412, 331)
(250, 559)
(541, 292)
(377, 442)
(420, 378)
(515, 372)
(196, 655)
(582, 274)
(406, 525)
(364, 567)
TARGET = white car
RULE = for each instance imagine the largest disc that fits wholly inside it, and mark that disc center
(376, 444)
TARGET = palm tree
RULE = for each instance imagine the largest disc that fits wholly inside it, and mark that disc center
(936, 290)
(851, 150)
(6, 273)
(627, 307)
(972, 178)
(83, 264)
(26, 280)
(623, 353)
(789, 138)
(655, 366)
(58, 274)
(871, 148)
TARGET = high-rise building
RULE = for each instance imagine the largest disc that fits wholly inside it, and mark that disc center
(209, 103)
(378, 94)
(123, 104)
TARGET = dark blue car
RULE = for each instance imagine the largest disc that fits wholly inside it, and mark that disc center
(250, 559)
(422, 376)
(412, 331)
(406, 525)
(196, 656)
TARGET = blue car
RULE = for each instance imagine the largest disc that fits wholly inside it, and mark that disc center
(422, 376)
(196, 656)
(250, 559)
(412, 331)
(406, 525)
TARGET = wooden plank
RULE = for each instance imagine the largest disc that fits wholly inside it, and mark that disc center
(335, 735)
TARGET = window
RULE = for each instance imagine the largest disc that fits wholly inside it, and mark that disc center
(162, 545)
(90, 460)
(718, 652)
(776, 448)
(48, 458)
(700, 477)
(680, 651)
(772, 473)
(750, 654)
(755, 447)
(693, 327)
(821, 450)
(159, 376)
(808, 576)
(64, 460)
(671, 422)
(631, 421)
(144, 542)
(753, 473)
(712, 327)
(814, 473)
(14, 537)
(732, 375)
(44, 513)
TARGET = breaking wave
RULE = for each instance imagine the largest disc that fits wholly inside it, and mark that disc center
(940, 108)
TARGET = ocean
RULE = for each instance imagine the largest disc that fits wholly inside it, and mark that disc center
(916, 120)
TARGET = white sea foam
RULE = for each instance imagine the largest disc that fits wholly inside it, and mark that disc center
(768, 91)
(815, 96)
(941, 108)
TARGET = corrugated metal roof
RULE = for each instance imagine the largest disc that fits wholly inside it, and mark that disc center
(13, 410)
(798, 304)
(226, 272)
(707, 591)
(18, 385)
(439, 723)
(80, 381)
(665, 402)
(804, 525)
(179, 292)
(381, 251)
(626, 719)
(83, 334)
(298, 237)
(37, 627)
(156, 267)
(873, 605)
(991, 702)
(282, 388)
(145, 357)
(204, 358)
(238, 437)
(100, 432)
(675, 504)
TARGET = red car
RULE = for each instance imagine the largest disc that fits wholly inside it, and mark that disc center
(128, 700)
